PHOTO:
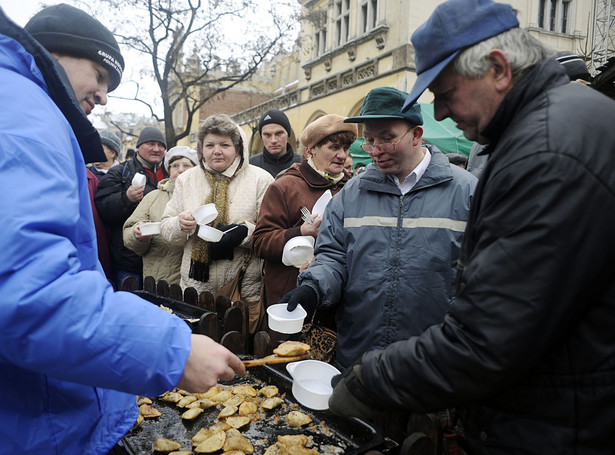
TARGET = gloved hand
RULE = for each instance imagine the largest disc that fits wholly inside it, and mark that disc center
(224, 249)
(350, 398)
(304, 295)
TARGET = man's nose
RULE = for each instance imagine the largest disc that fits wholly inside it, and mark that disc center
(100, 96)
(440, 111)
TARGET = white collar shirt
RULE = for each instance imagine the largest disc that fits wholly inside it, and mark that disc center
(412, 179)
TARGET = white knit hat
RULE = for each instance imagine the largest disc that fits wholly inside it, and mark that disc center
(180, 150)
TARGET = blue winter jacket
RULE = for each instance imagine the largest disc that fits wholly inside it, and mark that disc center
(389, 261)
(66, 339)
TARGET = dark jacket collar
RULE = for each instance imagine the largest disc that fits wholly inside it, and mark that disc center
(543, 76)
(286, 158)
(59, 89)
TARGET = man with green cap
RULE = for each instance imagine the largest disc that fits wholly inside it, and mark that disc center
(387, 249)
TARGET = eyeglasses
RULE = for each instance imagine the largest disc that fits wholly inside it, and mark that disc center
(184, 165)
(385, 147)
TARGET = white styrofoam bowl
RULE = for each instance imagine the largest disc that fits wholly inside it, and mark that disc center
(204, 214)
(284, 321)
(298, 250)
(209, 233)
(150, 228)
(312, 382)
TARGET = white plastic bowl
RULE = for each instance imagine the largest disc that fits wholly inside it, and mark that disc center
(150, 228)
(209, 233)
(139, 179)
(205, 213)
(312, 383)
(298, 251)
(284, 321)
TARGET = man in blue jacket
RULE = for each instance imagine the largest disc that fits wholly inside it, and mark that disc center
(387, 250)
(72, 352)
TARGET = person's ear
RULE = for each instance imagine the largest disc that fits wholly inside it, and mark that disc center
(500, 66)
(417, 135)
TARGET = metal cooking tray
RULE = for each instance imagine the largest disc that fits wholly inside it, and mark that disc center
(331, 434)
(191, 314)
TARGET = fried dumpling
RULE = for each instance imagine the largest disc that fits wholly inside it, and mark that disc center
(238, 443)
(171, 397)
(238, 421)
(203, 404)
(235, 400)
(271, 403)
(166, 445)
(269, 391)
(149, 412)
(228, 411)
(277, 449)
(291, 348)
(192, 413)
(185, 401)
(298, 418)
(211, 444)
(143, 400)
(247, 408)
(244, 390)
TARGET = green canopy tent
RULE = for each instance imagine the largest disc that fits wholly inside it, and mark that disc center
(444, 135)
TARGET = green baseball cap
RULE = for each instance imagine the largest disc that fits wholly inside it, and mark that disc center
(386, 103)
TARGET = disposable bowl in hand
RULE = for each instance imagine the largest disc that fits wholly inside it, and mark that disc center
(312, 383)
(209, 233)
(284, 321)
(205, 213)
(298, 251)
(139, 179)
(150, 228)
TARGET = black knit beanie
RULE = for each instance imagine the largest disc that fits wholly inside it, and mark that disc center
(574, 65)
(274, 116)
(151, 134)
(68, 30)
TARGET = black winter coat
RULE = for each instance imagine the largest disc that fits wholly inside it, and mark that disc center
(527, 351)
(114, 209)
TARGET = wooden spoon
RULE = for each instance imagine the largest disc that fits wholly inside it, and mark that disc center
(274, 358)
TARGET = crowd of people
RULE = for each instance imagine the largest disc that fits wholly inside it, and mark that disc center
(483, 295)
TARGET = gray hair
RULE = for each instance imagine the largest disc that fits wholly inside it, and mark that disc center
(221, 125)
(522, 49)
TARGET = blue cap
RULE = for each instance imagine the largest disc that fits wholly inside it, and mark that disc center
(452, 27)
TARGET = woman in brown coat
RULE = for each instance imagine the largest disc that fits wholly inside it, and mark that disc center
(326, 143)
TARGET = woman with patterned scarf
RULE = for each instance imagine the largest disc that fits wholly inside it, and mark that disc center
(223, 177)
(326, 141)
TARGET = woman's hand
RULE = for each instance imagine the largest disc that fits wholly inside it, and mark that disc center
(187, 223)
(311, 228)
(137, 231)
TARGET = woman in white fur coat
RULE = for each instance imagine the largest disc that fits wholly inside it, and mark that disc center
(223, 177)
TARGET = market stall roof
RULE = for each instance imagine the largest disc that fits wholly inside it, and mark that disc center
(444, 135)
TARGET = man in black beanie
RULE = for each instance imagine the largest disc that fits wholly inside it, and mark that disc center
(278, 155)
(119, 194)
(68, 343)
